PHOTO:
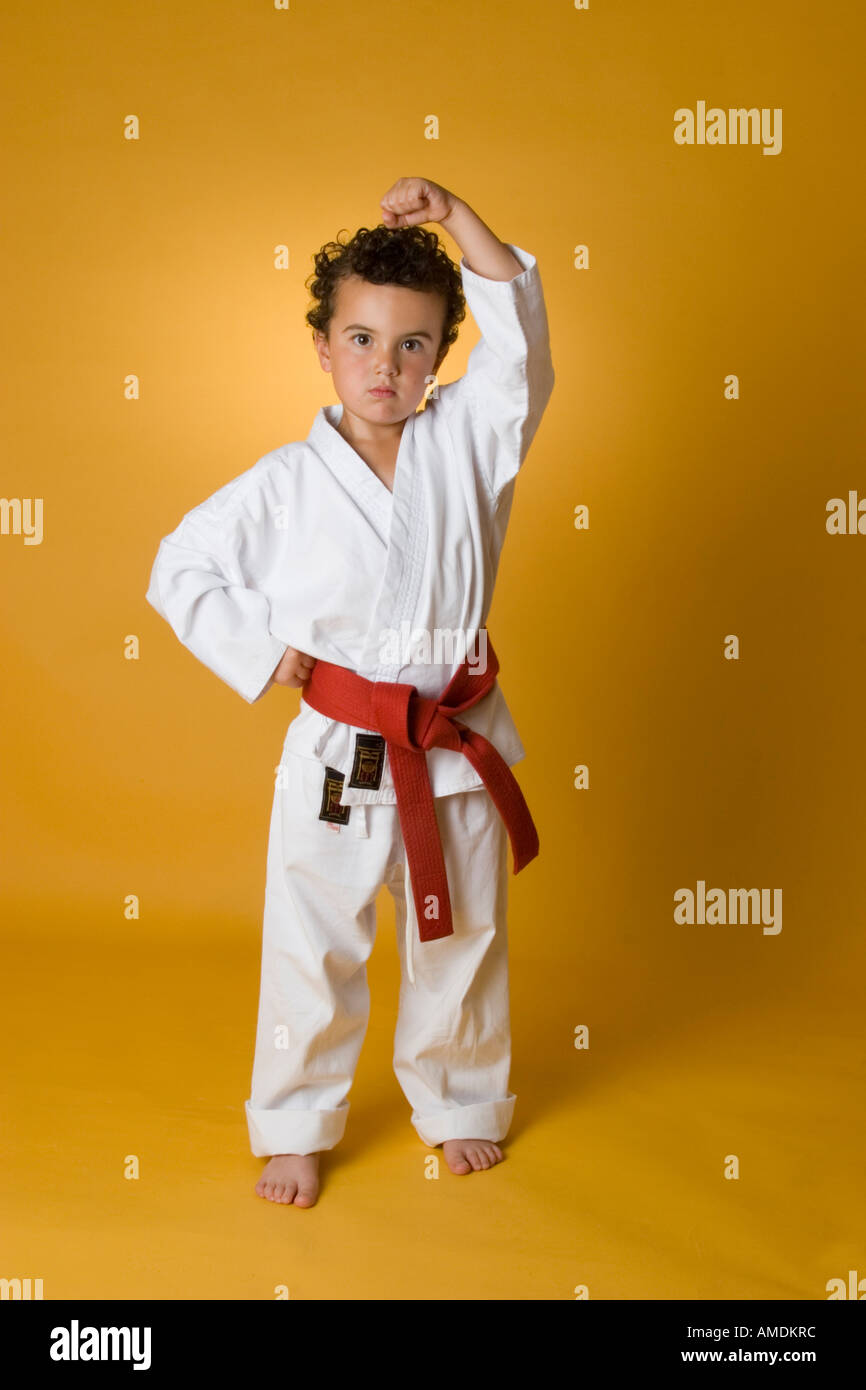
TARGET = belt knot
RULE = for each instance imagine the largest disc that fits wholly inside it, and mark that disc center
(411, 724)
(430, 726)
(414, 721)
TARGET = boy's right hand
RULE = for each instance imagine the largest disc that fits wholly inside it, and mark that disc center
(294, 669)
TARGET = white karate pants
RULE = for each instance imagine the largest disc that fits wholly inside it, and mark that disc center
(452, 1045)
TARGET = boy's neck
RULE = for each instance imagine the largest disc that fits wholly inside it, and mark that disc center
(377, 445)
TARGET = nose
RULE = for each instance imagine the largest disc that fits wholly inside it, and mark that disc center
(386, 360)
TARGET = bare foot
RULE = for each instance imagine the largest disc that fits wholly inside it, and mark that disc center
(290, 1178)
(464, 1155)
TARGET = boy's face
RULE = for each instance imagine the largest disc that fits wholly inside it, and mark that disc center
(382, 336)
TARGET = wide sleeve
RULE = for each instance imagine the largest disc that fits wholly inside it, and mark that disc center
(495, 408)
(197, 585)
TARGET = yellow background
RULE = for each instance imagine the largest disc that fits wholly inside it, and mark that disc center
(707, 517)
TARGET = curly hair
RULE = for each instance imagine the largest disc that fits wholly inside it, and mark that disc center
(408, 256)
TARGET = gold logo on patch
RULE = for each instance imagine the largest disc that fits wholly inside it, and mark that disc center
(369, 761)
(332, 790)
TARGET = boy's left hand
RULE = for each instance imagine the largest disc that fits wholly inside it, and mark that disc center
(410, 201)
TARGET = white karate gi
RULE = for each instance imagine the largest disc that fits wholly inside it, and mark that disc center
(309, 549)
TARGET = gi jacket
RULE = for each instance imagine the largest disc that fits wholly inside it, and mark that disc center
(309, 548)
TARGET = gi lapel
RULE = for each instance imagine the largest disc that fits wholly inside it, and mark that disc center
(399, 521)
(367, 491)
(404, 566)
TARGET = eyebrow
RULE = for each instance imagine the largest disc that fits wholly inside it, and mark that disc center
(415, 333)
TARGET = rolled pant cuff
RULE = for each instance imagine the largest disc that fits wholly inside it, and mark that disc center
(294, 1131)
(491, 1119)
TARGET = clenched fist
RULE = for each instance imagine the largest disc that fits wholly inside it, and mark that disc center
(410, 201)
(294, 669)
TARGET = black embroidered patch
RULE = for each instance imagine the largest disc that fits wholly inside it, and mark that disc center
(331, 793)
(369, 761)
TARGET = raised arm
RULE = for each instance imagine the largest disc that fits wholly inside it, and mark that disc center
(499, 402)
(413, 200)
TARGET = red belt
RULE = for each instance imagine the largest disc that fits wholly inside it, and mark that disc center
(410, 724)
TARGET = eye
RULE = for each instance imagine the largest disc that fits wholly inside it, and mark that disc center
(359, 335)
(413, 340)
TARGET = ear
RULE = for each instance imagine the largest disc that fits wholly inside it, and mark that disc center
(323, 351)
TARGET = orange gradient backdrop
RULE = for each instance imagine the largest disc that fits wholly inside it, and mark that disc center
(262, 127)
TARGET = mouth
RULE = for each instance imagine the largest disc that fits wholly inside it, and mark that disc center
(382, 391)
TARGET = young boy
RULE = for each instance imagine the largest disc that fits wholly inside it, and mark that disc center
(309, 570)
